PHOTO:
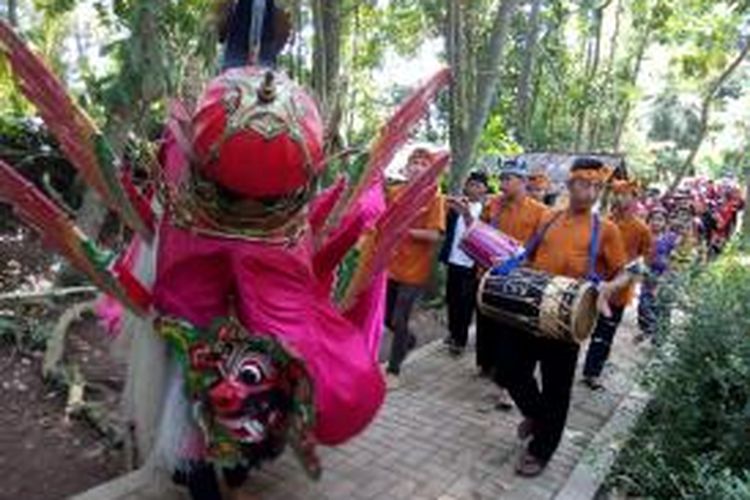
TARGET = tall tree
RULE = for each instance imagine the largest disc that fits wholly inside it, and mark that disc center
(472, 96)
(594, 17)
(524, 81)
(327, 20)
(12, 6)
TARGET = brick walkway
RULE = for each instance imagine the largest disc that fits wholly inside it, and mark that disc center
(436, 439)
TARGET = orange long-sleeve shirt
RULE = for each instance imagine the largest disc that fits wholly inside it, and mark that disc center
(637, 238)
(412, 260)
(519, 220)
(564, 249)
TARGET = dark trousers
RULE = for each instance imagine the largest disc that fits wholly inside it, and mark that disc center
(546, 406)
(487, 342)
(461, 292)
(601, 342)
(654, 311)
(202, 482)
(400, 300)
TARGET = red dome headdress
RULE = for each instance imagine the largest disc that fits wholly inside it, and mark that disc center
(258, 151)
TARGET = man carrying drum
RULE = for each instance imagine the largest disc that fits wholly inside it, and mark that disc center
(636, 237)
(575, 243)
(517, 215)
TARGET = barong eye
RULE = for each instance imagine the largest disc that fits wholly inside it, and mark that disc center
(251, 374)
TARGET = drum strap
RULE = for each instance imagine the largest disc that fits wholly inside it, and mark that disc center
(508, 265)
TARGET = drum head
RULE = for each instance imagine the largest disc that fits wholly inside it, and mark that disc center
(585, 313)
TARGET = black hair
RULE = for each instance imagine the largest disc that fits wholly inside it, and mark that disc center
(585, 163)
(478, 176)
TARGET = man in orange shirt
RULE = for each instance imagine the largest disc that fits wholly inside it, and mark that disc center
(409, 268)
(576, 243)
(519, 216)
(637, 239)
(538, 187)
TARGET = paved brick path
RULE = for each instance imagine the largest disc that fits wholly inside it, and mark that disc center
(436, 439)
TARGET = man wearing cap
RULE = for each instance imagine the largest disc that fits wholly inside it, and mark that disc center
(636, 237)
(461, 287)
(519, 216)
(410, 267)
(576, 243)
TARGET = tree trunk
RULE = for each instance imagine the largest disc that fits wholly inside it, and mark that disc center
(706, 115)
(609, 98)
(488, 74)
(613, 41)
(593, 71)
(457, 58)
(13, 12)
(624, 113)
(524, 81)
(593, 60)
(326, 52)
(144, 40)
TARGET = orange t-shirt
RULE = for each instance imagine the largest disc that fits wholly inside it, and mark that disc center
(637, 239)
(411, 262)
(564, 250)
(519, 220)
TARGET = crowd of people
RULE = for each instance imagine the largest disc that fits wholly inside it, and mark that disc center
(598, 227)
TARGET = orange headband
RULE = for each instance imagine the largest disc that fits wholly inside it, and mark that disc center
(625, 186)
(592, 175)
(588, 175)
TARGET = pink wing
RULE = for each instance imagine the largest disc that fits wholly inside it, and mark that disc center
(392, 137)
(59, 233)
(391, 227)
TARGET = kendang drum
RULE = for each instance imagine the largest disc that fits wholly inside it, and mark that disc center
(486, 245)
(542, 304)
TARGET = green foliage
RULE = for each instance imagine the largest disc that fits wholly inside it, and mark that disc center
(674, 122)
(169, 43)
(496, 140)
(28, 146)
(693, 440)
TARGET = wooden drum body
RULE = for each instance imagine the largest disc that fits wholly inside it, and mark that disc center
(549, 306)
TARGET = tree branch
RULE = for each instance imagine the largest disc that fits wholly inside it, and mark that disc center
(706, 114)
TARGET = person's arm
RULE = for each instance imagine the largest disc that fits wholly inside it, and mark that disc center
(461, 207)
(434, 225)
(613, 251)
(608, 289)
(427, 235)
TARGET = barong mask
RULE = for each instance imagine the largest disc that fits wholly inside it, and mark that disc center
(249, 395)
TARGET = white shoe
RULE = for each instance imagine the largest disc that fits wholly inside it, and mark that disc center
(392, 381)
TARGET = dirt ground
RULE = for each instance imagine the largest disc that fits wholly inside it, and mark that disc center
(43, 453)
